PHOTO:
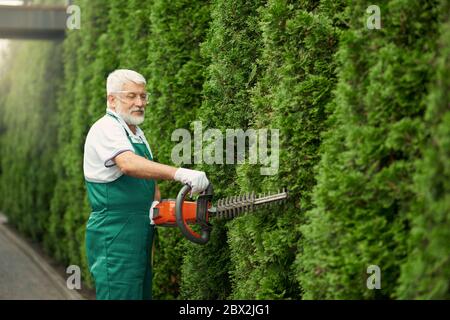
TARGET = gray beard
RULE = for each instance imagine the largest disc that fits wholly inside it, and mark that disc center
(132, 120)
(128, 118)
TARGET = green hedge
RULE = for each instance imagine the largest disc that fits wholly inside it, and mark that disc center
(232, 47)
(300, 39)
(364, 139)
(426, 271)
(31, 76)
(175, 77)
(27, 142)
(365, 177)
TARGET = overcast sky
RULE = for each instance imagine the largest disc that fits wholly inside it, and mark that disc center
(4, 43)
(11, 2)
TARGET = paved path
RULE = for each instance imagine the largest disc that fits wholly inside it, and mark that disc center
(24, 274)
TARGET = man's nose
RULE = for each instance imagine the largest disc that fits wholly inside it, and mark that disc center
(139, 101)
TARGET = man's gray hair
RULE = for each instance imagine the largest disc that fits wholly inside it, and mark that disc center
(118, 78)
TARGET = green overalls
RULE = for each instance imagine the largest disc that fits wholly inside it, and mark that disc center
(119, 235)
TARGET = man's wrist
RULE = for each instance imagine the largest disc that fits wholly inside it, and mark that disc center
(179, 173)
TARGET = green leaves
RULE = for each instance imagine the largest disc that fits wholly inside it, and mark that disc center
(364, 192)
(428, 254)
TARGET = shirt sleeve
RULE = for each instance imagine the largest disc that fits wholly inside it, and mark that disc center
(110, 140)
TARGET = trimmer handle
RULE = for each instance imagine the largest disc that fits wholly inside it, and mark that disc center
(203, 203)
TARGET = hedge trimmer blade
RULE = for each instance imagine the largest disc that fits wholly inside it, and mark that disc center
(230, 207)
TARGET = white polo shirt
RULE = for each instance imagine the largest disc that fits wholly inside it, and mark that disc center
(106, 139)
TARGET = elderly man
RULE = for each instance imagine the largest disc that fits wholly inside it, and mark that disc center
(120, 179)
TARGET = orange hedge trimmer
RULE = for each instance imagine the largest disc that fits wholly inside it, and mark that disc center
(181, 213)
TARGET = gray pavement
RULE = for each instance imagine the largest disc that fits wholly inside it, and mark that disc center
(24, 274)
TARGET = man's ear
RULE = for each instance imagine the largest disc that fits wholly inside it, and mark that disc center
(111, 101)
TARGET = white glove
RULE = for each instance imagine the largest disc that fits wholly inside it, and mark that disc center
(154, 204)
(197, 180)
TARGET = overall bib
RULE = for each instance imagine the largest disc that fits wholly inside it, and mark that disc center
(119, 235)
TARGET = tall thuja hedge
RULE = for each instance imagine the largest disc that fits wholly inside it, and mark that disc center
(30, 80)
(426, 273)
(5, 84)
(232, 47)
(365, 176)
(299, 42)
(110, 43)
(175, 74)
(137, 33)
(69, 207)
(28, 107)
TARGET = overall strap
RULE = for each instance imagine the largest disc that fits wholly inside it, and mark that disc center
(130, 135)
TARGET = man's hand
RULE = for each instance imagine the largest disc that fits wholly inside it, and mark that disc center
(197, 180)
(154, 204)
